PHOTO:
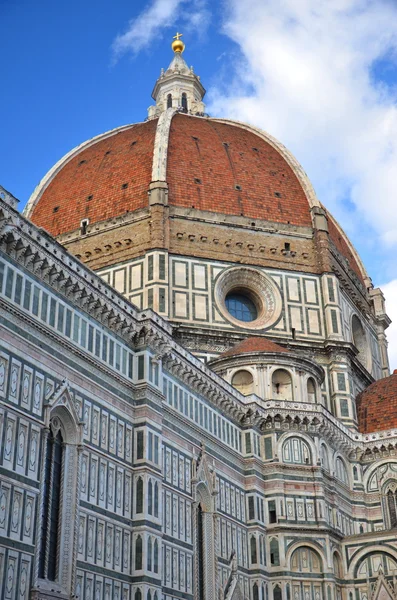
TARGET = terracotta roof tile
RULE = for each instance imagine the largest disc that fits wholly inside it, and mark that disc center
(253, 344)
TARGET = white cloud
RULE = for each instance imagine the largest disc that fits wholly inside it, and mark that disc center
(306, 76)
(141, 31)
(390, 292)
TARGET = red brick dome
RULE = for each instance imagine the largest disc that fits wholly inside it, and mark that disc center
(208, 164)
(211, 165)
(377, 405)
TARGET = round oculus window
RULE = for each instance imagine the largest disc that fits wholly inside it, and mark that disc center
(241, 307)
(247, 298)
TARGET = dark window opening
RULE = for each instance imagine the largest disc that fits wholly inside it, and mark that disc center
(287, 246)
(169, 101)
(272, 512)
(392, 504)
(51, 507)
(200, 551)
(184, 101)
(139, 495)
(138, 554)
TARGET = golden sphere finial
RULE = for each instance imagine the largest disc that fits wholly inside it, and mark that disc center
(177, 45)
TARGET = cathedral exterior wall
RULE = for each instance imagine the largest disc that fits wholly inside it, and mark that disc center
(292, 501)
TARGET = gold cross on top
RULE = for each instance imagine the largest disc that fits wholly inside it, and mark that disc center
(177, 36)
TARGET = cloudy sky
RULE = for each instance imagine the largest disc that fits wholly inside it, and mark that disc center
(320, 76)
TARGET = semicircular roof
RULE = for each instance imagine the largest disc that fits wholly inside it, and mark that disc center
(377, 405)
(253, 345)
(209, 164)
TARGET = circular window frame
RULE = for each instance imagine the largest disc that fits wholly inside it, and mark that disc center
(263, 292)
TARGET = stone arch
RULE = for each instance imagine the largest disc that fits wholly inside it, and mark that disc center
(377, 467)
(312, 544)
(295, 434)
(282, 383)
(243, 380)
(363, 553)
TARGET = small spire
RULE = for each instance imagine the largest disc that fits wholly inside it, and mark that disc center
(177, 45)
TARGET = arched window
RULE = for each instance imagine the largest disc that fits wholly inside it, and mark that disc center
(255, 592)
(139, 495)
(138, 594)
(156, 556)
(200, 550)
(324, 457)
(281, 385)
(305, 560)
(156, 499)
(337, 566)
(149, 553)
(254, 557)
(277, 593)
(149, 595)
(150, 498)
(155, 596)
(274, 553)
(297, 451)
(243, 382)
(391, 501)
(359, 339)
(184, 101)
(355, 473)
(138, 553)
(52, 493)
(341, 471)
(169, 101)
(311, 390)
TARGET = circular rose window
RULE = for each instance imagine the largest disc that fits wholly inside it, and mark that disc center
(247, 298)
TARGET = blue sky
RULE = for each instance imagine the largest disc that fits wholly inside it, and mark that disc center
(319, 76)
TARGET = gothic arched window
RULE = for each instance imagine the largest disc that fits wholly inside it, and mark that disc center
(156, 499)
(184, 101)
(138, 553)
(277, 593)
(255, 592)
(254, 557)
(150, 498)
(139, 495)
(149, 554)
(51, 507)
(341, 471)
(169, 101)
(391, 499)
(156, 556)
(138, 594)
(149, 595)
(274, 553)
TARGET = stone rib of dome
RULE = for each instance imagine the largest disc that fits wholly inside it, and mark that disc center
(377, 405)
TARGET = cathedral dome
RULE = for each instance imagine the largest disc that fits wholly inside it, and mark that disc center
(213, 165)
(377, 405)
